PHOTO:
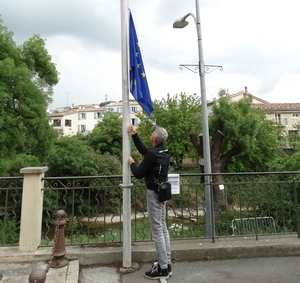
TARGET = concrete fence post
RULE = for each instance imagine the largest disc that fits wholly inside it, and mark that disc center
(32, 208)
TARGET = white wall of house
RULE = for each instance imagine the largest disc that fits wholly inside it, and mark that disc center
(65, 122)
(87, 120)
(288, 120)
(84, 118)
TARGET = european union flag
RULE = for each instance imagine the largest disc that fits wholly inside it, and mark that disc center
(138, 81)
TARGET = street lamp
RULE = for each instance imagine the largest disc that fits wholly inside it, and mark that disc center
(181, 23)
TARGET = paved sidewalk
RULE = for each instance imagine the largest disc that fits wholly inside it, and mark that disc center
(18, 272)
(16, 267)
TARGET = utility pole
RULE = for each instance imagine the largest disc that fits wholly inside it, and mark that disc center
(68, 97)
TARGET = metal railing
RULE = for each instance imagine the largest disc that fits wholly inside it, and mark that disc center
(10, 209)
(94, 207)
(250, 225)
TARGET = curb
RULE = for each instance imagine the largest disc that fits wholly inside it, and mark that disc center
(182, 250)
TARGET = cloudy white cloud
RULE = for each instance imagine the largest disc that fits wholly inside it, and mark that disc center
(255, 42)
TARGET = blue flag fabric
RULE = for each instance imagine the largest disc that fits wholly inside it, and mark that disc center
(138, 81)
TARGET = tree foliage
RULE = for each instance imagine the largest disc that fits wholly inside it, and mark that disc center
(236, 121)
(287, 162)
(254, 138)
(107, 135)
(10, 166)
(27, 77)
(71, 156)
(242, 139)
(294, 137)
(180, 115)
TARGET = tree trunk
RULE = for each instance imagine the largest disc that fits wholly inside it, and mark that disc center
(218, 164)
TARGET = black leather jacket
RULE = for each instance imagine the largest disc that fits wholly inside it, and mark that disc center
(155, 165)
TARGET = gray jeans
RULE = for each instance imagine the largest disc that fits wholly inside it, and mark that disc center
(160, 233)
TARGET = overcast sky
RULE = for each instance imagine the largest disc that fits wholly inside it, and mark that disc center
(257, 43)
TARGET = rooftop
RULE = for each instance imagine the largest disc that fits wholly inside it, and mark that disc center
(278, 106)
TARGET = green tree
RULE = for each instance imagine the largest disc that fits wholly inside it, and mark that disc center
(107, 164)
(180, 115)
(247, 134)
(222, 92)
(264, 149)
(71, 156)
(10, 166)
(238, 131)
(287, 162)
(27, 77)
(106, 137)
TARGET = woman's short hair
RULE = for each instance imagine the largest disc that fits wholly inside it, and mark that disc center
(161, 134)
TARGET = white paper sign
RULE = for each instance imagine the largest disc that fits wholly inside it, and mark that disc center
(175, 182)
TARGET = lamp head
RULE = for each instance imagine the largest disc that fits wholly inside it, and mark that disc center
(181, 23)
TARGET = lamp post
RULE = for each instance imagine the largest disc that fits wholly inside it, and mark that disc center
(181, 23)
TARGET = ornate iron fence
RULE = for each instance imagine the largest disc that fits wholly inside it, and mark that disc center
(10, 210)
(94, 207)
(260, 195)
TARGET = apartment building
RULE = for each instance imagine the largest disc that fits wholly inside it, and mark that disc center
(73, 119)
(287, 114)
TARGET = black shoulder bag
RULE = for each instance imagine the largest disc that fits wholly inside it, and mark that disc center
(164, 191)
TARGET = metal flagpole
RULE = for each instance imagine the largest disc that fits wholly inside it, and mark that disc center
(126, 185)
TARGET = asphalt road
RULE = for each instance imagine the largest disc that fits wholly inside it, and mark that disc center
(262, 270)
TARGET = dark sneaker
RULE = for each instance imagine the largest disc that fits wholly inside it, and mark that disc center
(169, 268)
(157, 273)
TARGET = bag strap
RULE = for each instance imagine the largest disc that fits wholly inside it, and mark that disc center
(160, 165)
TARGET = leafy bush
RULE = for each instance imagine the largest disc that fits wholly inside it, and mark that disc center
(9, 231)
(10, 166)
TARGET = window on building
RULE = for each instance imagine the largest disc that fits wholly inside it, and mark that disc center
(119, 109)
(81, 116)
(278, 118)
(295, 115)
(68, 123)
(57, 122)
(134, 121)
(81, 128)
(133, 109)
(97, 115)
(109, 109)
